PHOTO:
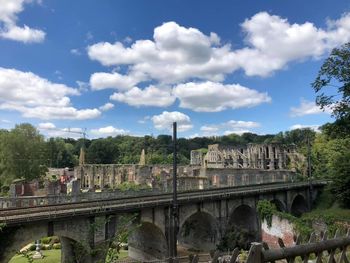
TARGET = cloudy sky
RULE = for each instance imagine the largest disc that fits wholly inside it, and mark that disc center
(134, 67)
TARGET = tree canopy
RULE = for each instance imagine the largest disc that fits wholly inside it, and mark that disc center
(332, 86)
(331, 150)
(22, 153)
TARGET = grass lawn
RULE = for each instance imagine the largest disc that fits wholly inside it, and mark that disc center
(123, 254)
(50, 256)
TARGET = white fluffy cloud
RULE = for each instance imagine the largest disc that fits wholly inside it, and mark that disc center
(9, 30)
(212, 97)
(108, 131)
(196, 63)
(273, 42)
(150, 96)
(232, 126)
(306, 108)
(36, 97)
(102, 80)
(176, 53)
(302, 126)
(165, 121)
(46, 126)
(106, 107)
(49, 129)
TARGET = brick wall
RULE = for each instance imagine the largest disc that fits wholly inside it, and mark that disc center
(280, 228)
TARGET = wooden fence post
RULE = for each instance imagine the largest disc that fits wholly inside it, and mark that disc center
(255, 253)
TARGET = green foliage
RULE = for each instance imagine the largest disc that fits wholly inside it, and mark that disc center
(60, 154)
(127, 224)
(22, 152)
(32, 247)
(330, 158)
(341, 178)
(50, 256)
(79, 252)
(334, 218)
(46, 240)
(234, 237)
(102, 151)
(266, 210)
(27, 255)
(334, 77)
(326, 199)
(56, 246)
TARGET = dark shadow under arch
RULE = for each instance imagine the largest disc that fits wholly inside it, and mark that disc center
(242, 229)
(199, 231)
(299, 206)
(147, 242)
(280, 206)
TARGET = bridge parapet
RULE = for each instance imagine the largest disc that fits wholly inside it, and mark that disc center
(33, 201)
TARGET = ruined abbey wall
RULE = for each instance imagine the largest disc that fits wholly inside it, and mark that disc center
(220, 166)
(254, 156)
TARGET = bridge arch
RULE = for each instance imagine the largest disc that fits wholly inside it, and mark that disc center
(199, 231)
(147, 242)
(22, 236)
(242, 228)
(299, 205)
(280, 205)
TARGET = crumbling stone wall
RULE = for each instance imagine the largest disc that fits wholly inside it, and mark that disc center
(256, 156)
(102, 176)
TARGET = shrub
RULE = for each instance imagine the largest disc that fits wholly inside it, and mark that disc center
(46, 240)
(48, 247)
(55, 240)
(32, 247)
(56, 246)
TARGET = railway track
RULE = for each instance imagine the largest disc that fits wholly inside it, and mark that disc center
(108, 206)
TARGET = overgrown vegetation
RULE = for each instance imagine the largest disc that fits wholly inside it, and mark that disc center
(235, 237)
(127, 224)
(267, 210)
(334, 218)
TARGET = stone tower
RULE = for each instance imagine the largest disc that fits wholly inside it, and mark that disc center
(143, 158)
(82, 156)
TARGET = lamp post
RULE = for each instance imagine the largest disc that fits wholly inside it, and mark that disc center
(174, 215)
(309, 170)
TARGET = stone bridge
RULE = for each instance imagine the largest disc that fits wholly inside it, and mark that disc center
(86, 228)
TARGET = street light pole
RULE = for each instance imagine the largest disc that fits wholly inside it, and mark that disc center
(174, 205)
(309, 170)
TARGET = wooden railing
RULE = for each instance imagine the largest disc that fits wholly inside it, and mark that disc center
(319, 248)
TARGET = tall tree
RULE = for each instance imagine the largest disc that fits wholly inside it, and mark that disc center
(102, 151)
(23, 153)
(332, 86)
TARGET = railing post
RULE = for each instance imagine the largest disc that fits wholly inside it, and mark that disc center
(255, 253)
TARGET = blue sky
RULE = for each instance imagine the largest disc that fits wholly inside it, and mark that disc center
(133, 67)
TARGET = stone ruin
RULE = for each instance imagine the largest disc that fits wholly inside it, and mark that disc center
(219, 166)
(254, 156)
